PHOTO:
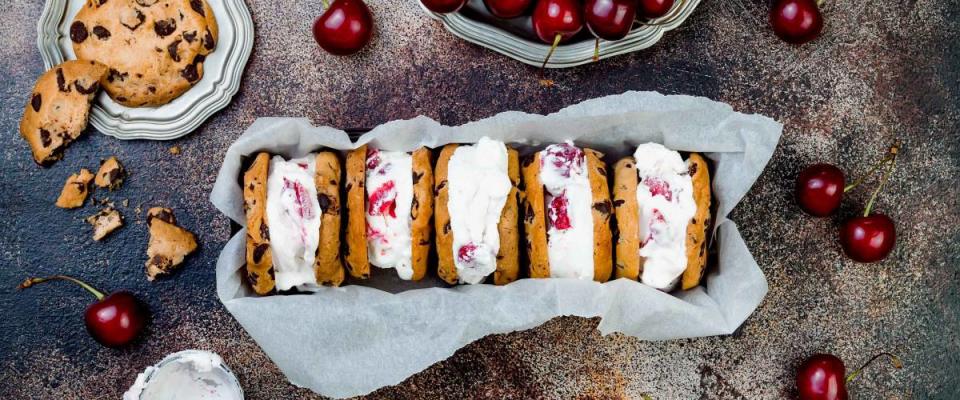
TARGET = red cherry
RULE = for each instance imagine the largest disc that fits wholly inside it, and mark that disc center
(114, 320)
(820, 189)
(344, 28)
(822, 377)
(796, 21)
(610, 19)
(507, 8)
(443, 6)
(556, 21)
(868, 239)
(653, 8)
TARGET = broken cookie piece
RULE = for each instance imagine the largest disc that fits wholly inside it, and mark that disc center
(75, 190)
(105, 222)
(110, 175)
(169, 243)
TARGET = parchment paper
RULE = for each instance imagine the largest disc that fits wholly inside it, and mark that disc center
(355, 339)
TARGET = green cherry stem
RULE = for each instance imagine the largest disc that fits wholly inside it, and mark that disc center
(896, 364)
(556, 42)
(33, 281)
(891, 154)
(596, 50)
(325, 3)
(886, 176)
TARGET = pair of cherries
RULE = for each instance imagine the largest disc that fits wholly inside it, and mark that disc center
(866, 238)
(823, 376)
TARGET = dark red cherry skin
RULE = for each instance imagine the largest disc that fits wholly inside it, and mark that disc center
(344, 28)
(868, 239)
(822, 377)
(610, 19)
(796, 21)
(507, 8)
(116, 320)
(820, 189)
(443, 6)
(557, 17)
(653, 8)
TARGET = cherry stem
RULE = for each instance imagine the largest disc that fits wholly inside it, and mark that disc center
(820, 3)
(886, 176)
(33, 281)
(556, 42)
(596, 50)
(326, 4)
(896, 364)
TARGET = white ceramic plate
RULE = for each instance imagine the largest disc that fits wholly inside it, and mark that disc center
(221, 78)
(569, 55)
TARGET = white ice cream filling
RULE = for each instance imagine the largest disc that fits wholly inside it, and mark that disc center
(389, 190)
(666, 205)
(293, 217)
(569, 218)
(478, 186)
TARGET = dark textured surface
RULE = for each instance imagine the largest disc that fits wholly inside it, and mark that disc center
(883, 69)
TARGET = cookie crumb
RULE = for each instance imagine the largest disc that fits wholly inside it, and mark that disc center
(105, 222)
(175, 150)
(111, 174)
(169, 243)
(125, 202)
(75, 190)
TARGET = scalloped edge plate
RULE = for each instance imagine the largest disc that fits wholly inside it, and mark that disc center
(223, 71)
(565, 56)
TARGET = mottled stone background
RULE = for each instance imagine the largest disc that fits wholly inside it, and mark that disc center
(882, 70)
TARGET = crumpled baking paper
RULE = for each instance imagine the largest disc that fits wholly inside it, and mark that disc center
(354, 339)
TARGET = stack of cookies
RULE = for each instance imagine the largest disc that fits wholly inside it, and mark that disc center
(143, 53)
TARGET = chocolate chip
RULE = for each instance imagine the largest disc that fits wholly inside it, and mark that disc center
(45, 137)
(703, 248)
(121, 99)
(446, 228)
(163, 215)
(602, 171)
(152, 89)
(424, 242)
(86, 90)
(253, 278)
(324, 201)
(161, 262)
(146, 3)
(36, 101)
(628, 165)
(172, 50)
(116, 75)
(349, 186)
(62, 82)
(333, 182)
(693, 169)
(190, 36)
(78, 32)
(114, 175)
(414, 208)
(165, 27)
(258, 252)
(528, 160)
(264, 232)
(528, 213)
(101, 32)
(197, 6)
(416, 177)
(603, 207)
(208, 42)
(81, 187)
(100, 2)
(618, 203)
(190, 73)
(140, 18)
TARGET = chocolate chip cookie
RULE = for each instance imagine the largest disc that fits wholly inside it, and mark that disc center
(57, 111)
(155, 49)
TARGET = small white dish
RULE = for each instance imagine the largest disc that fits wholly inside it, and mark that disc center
(189, 374)
(223, 70)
